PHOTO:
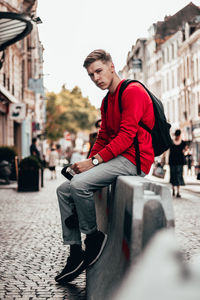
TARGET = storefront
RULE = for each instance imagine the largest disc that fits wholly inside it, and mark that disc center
(13, 28)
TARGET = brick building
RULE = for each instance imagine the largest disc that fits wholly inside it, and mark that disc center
(21, 82)
(168, 62)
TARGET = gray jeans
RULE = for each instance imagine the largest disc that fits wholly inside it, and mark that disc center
(79, 194)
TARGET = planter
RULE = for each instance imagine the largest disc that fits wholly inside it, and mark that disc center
(29, 180)
(29, 174)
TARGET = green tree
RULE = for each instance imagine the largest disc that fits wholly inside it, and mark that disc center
(68, 111)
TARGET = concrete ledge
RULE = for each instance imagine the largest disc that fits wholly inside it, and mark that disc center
(130, 212)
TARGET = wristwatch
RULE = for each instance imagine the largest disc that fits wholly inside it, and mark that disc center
(95, 161)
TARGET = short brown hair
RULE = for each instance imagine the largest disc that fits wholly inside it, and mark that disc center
(98, 54)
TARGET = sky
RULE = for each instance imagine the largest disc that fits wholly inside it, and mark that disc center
(71, 29)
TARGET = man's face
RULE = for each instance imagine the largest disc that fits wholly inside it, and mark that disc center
(101, 73)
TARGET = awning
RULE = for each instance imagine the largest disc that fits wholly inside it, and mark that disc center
(13, 27)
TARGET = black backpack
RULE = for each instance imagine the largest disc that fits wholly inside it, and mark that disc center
(161, 139)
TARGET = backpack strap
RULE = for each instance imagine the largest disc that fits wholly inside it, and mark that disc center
(145, 127)
(123, 86)
(137, 154)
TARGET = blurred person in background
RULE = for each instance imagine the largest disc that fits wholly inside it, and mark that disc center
(93, 136)
(68, 154)
(189, 160)
(34, 150)
(53, 159)
(176, 163)
(77, 155)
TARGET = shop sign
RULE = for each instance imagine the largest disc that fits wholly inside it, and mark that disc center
(17, 111)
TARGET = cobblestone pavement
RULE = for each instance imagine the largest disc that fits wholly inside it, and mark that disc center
(31, 246)
(187, 216)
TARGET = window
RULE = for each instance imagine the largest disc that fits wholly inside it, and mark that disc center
(168, 111)
(23, 79)
(163, 56)
(188, 68)
(8, 84)
(163, 84)
(172, 51)
(172, 79)
(167, 54)
(4, 79)
(167, 81)
(179, 76)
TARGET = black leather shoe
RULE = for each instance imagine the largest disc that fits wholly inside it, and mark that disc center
(94, 247)
(73, 268)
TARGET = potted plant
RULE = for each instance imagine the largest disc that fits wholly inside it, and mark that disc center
(29, 174)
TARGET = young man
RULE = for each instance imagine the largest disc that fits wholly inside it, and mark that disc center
(112, 155)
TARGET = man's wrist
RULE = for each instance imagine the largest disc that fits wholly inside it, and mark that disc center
(96, 160)
(100, 159)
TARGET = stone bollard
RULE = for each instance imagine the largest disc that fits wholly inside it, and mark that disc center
(161, 273)
(130, 212)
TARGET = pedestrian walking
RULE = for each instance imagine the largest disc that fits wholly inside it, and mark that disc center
(34, 150)
(189, 160)
(176, 162)
(53, 157)
(113, 154)
(77, 155)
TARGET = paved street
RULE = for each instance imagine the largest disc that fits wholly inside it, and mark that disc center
(31, 246)
(187, 215)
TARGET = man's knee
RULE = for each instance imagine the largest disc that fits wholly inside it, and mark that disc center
(78, 184)
(62, 189)
(58, 190)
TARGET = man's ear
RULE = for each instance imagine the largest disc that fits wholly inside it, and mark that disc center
(112, 67)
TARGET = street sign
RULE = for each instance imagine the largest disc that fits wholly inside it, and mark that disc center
(36, 85)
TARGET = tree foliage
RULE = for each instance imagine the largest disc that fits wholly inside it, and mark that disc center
(68, 111)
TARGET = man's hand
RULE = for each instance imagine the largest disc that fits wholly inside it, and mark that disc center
(82, 166)
(85, 165)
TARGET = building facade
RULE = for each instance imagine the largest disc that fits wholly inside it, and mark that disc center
(21, 84)
(171, 70)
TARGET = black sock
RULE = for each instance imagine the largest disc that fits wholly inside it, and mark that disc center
(93, 234)
(75, 249)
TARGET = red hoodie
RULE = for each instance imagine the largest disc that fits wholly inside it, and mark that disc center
(119, 129)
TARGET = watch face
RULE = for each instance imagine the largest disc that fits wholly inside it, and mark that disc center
(95, 161)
